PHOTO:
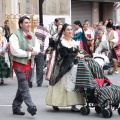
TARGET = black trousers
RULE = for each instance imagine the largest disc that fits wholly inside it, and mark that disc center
(114, 54)
(22, 93)
(39, 62)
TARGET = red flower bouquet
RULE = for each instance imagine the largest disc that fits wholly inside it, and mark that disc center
(29, 37)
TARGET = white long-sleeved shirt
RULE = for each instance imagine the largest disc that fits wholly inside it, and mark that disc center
(15, 48)
(115, 40)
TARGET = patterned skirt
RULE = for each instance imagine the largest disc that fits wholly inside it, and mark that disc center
(5, 71)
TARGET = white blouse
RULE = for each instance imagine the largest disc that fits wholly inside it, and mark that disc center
(3, 44)
(89, 31)
(70, 44)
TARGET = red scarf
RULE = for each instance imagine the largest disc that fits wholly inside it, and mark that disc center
(24, 68)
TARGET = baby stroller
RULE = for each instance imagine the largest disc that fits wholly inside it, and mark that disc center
(98, 91)
(104, 60)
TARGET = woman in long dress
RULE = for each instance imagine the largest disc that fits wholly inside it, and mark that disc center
(78, 34)
(80, 37)
(89, 34)
(5, 70)
(62, 81)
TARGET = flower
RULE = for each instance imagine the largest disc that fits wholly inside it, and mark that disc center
(29, 37)
(8, 46)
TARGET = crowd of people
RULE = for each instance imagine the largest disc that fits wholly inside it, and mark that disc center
(23, 50)
(86, 40)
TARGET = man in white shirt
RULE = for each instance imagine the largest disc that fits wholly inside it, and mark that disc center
(112, 38)
(31, 72)
(24, 46)
(40, 33)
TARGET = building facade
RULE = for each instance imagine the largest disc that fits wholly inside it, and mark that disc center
(117, 9)
(51, 9)
(67, 10)
(2, 12)
(93, 10)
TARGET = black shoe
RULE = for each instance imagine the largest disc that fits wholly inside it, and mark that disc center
(30, 84)
(2, 81)
(32, 110)
(39, 85)
(56, 108)
(18, 112)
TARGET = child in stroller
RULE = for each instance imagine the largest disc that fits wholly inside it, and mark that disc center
(103, 60)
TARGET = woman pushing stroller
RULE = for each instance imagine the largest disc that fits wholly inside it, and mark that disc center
(62, 81)
(70, 72)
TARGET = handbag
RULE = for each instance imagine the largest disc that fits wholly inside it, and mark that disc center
(50, 65)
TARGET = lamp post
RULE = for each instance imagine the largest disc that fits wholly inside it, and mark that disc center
(40, 12)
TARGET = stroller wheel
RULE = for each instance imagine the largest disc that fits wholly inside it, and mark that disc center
(105, 67)
(111, 113)
(119, 110)
(106, 113)
(110, 72)
(98, 109)
(88, 110)
(2, 81)
(84, 111)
